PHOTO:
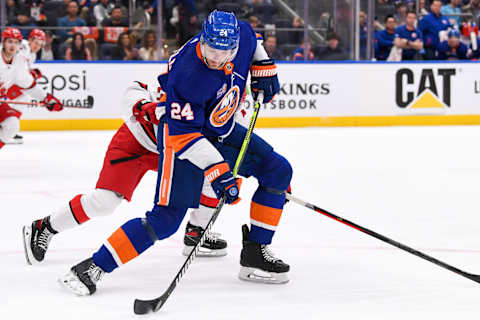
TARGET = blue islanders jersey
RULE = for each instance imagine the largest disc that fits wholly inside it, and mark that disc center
(402, 32)
(201, 104)
(445, 52)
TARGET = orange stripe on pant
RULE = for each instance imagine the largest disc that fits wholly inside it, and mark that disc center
(122, 245)
(167, 169)
(265, 215)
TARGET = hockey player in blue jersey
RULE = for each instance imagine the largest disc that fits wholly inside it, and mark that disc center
(453, 48)
(198, 143)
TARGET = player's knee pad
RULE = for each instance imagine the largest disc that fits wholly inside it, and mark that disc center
(100, 202)
(165, 220)
(274, 172)
(9, 128)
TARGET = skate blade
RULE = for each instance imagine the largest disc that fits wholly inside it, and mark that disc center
(204, 252)
(260, 276)
(71, 282)
(27, 238)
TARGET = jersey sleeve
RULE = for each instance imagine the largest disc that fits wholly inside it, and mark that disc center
(26, 81)
(185, 117)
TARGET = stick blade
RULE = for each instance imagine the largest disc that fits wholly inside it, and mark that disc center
(89, 101)
(474, 277)
(147, 306)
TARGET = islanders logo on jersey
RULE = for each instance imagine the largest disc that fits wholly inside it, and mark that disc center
(225, 108)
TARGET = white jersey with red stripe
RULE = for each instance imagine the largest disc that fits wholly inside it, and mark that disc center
(146, 135)
(16, 82)
(27, 53)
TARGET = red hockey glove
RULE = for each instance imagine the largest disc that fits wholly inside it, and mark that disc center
(36, 73)
(144, 112)
(52, 103)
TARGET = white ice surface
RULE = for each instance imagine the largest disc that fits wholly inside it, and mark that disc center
(417, 185)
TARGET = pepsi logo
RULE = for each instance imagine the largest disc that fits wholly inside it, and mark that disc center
(226, 108)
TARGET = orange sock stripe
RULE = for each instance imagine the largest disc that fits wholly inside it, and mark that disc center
(264, 214)
(122, 245)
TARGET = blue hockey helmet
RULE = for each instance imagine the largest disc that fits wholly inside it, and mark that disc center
(221, 30)
(454, 33)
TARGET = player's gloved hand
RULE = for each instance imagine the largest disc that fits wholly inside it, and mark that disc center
(52, 103)
(36, 73)
(144, 112)
(264, 78)
(223, 183)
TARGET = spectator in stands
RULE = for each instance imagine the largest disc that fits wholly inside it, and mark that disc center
(363, 34)
(124, 49)
(421, 8)
(70, 20)
(187, 21)
(254, 22)
(296, 36)
(23, 20)
(410, 38)
(452, 8)
(62, 8)
(50, 48)
(384, 39)
(116, 19)
(452, 49)
(77, 49)
(142, 17)
(299, 53)
(473, 8)
(102, 10)
(149, 49)
(430, 26)
(401, 13)
(332, 51)
(270, 45)
(11, 11)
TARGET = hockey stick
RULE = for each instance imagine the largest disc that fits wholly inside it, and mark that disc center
(146, 306)
(394, 243)
(89, 104)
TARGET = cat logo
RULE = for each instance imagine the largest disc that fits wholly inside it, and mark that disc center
(225, 108)
(424, 92)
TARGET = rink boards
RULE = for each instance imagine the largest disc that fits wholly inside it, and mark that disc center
(312, 94)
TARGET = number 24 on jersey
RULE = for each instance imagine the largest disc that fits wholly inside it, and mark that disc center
(178, 112)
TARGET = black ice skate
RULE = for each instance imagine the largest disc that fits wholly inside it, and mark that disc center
(82, 278)
(36, 239)
(258, 264)
(212, 247)
(17, 139)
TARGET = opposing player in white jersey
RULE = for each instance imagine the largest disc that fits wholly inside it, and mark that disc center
(15, 81)
(131, 153)
(29, 49)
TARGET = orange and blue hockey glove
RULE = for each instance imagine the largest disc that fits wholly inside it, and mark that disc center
(223, 183)
(264, 78)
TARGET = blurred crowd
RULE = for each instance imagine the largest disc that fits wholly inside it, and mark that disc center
(110, 30)
(442, 30)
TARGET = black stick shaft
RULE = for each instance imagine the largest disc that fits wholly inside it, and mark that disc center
(383, 238)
